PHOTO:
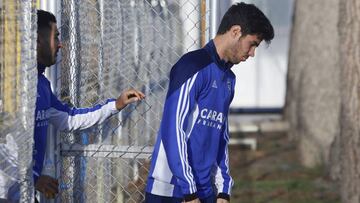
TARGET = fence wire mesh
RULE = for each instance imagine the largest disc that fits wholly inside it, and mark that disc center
(110, 46)
(18, 80)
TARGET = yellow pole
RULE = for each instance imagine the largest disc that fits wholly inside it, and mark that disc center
(10, 53)
(203, 22)
(18, 86)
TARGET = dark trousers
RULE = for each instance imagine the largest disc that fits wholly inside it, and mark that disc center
(150, 198)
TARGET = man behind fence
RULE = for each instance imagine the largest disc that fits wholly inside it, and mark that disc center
(50, 110)
(190, 161)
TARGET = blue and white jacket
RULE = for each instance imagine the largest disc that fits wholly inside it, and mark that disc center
(191, 154)
(50, 109)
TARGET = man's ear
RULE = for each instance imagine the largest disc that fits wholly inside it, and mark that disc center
(40, 37)
(235, 31)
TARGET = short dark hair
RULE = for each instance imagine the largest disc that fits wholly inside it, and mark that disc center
(44, 19)
(251, 20)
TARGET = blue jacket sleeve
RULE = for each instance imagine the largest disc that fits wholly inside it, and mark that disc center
(65, 118)
(179, 104)
(223, 180)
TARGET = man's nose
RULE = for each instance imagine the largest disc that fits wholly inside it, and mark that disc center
(60, 45)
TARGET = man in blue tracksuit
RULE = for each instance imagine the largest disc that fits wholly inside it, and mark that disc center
(50, 110)
(190, 161)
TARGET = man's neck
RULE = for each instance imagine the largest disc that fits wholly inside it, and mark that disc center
(41, 68)
(220, 45)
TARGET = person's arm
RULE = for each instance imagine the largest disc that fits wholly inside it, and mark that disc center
(223, 180)
(65, 118)
(179, 104)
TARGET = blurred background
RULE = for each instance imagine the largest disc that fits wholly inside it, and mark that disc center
(294, 120)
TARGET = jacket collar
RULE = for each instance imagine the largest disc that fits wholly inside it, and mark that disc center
(210, 47)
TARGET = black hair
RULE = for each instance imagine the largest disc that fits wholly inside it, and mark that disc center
(251, 20)
(44, 19)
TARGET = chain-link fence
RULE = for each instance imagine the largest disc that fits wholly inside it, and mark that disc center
(17, 98)
(110, 46)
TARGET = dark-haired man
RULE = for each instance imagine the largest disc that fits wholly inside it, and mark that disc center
(50, 110)
(190, 157)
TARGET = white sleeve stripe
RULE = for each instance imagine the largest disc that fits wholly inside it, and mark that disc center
(182, 138)
(226, 150)
(183, 105)
(227, 157)
(177, 133)
(219, 180)
(186, 101)
(228, 171)
(226, 131)
(182, 124)
(193, 81)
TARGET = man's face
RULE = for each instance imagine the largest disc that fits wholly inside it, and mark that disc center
(48, 45)
(243, 48)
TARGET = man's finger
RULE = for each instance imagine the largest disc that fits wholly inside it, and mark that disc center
(142, 95)
(139, 94)
(51, 188)
(54, 185)
(135, 94)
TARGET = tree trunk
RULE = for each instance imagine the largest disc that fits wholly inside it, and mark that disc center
(313, 83)
(349, 27)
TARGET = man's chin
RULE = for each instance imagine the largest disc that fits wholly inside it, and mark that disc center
(237, 62)
(242, 60)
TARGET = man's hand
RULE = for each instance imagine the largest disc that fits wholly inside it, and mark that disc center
(194, 201)
(220, 200)
(48, 186)
(127, 97)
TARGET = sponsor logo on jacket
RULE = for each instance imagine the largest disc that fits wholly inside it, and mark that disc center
(211, 118)
(42, 118)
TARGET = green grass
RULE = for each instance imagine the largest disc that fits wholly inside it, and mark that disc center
(269, 185)
(273, 174)
(293, 190)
